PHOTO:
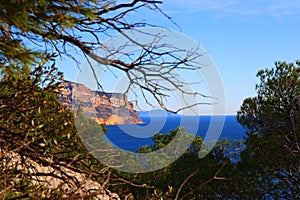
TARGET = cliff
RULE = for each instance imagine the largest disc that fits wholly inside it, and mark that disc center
(105, 108)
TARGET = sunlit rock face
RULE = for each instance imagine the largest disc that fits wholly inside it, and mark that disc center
(105, 108)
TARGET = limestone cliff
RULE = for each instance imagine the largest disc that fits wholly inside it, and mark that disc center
(105, 108)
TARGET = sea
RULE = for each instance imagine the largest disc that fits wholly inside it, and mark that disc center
(210, 128)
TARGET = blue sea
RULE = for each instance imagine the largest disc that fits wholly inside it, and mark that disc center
(132, 137)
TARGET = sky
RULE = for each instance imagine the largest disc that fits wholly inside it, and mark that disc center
(240, 36)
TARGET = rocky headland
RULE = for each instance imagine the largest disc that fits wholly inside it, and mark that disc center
(105, 108)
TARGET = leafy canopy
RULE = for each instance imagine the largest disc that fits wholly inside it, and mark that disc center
(271, 161)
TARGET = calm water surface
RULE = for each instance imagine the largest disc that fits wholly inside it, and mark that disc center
(132, 137)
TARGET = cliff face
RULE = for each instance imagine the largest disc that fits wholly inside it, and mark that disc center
(105, 108)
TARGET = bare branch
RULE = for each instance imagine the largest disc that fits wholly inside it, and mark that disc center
(184, 182)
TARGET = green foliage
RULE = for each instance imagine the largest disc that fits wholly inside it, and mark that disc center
(188, 177)
(277, 100)
(28, 24)
(271, 161)
(30, 29)
(35, 129)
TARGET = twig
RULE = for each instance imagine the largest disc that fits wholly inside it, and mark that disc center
(184, 182)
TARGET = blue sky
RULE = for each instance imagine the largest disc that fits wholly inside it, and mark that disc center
(240, 36)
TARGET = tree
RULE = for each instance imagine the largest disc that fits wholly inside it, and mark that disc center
(41, 154)
(270, 164)
(31, 29)
(188, 177)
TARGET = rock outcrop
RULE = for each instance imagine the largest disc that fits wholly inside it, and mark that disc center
(105, 108)
(69, 181)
